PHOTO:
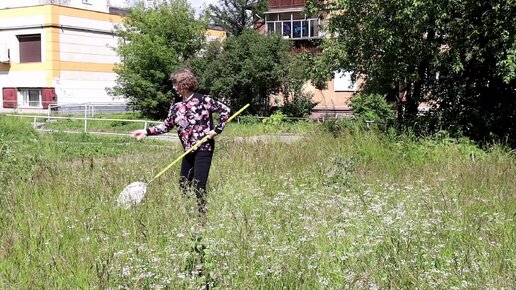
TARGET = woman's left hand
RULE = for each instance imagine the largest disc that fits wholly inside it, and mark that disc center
(211, 134)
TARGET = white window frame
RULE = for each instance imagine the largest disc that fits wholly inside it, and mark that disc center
(23, 96)
(342, 82)
(305, 22)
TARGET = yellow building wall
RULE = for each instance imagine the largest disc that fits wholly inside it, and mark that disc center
(49, 22)
(216, 34)
(50, 39)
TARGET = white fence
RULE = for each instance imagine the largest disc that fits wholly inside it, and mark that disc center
(87, 109)
(85, 119)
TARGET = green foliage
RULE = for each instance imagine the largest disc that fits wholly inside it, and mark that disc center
(247, 69)
(250, 67)
(274, 121)
(297, 102)
(118, 126)
(372, 107)
(298, 68)
(248, 119)
(339, 170)
(337, 126)
(294, 216)
(14, 160)
(234, 16)
(331, 126)
(17, 128)
(298, 106)
(153, 43)
(15, 163)
(204, 62)
(456, 55)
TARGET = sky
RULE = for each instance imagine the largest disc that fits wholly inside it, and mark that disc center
(198, 5)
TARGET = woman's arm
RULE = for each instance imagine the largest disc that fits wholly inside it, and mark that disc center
(166, 126)
(223, 111)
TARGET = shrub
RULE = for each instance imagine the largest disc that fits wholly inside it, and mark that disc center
(300, 106)
(335, 126)
(275, 121)
(372, 107)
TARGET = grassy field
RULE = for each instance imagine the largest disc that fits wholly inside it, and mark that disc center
(351, 210)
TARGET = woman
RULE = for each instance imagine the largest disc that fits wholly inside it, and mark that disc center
(193, 119)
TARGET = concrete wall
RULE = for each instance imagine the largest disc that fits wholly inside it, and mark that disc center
(335, 99)
(87, 59)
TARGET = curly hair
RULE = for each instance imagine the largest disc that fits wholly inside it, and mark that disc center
(184, 79)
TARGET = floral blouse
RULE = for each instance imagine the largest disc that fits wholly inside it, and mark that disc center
(193, 119)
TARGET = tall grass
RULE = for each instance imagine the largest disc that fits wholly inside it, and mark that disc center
(361, 210)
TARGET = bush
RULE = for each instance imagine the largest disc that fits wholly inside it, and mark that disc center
(372, 107)
(300, 106)
(275, 121)
(335, 126)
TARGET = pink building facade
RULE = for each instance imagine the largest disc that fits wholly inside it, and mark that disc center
(290, 19)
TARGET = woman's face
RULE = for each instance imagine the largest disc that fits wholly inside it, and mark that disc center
(176, 88)
(181, 84)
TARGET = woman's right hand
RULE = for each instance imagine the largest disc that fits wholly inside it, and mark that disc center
(139, 134)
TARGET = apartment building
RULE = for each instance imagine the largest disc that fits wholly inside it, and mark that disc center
(60, 52)
(57, 52)
(290, 19)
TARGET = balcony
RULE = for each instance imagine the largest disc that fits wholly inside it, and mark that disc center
(296, 29)
(282, 4)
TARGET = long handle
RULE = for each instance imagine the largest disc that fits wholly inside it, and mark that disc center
(195, 146)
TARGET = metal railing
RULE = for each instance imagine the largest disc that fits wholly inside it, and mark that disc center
(85, 119)
(87, 109)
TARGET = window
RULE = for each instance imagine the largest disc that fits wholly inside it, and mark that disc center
(30, 97)
(293, 25)
(30, 48)
(287, 30)
(314, 27)
(271, 17)
(343, 82)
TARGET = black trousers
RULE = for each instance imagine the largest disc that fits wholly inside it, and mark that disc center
(195, 169)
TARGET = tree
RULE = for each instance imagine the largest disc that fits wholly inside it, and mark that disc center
(296, 101)
(234, 16)
(153, 43)
(457, 55)
(245, 69)
(476, 88)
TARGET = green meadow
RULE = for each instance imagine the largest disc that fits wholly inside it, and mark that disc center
(340, 208)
